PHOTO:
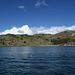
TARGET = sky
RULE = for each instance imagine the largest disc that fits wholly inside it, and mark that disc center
(36, 16)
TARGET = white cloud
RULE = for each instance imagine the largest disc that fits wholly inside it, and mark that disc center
(34, 30)
(41, 3)
(21, 7)
(52, 30)
(23, 30)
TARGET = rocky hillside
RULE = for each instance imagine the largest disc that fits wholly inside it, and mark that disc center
(66, 38)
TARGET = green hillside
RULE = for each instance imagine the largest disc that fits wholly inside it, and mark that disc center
(62, 38)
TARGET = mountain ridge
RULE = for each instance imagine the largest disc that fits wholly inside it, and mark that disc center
(65, 38)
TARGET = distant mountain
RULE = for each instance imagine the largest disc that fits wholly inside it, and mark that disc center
(65, 38)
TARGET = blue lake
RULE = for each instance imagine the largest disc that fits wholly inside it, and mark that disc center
(37, 60)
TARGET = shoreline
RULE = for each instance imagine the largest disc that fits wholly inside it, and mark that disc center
(39, 45)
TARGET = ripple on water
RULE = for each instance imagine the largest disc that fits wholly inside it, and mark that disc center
(37, 61)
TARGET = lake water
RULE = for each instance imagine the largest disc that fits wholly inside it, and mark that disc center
(37, 60)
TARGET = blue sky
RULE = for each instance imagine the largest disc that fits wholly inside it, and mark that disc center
(36, 13)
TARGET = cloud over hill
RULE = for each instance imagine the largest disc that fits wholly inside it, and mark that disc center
(34, 30)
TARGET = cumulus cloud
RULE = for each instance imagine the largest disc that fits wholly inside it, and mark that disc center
(34, 30)
(21, 7)
(38, 3)
(22, 30)
(51, 30)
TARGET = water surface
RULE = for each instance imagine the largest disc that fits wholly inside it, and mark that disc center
(37, 60)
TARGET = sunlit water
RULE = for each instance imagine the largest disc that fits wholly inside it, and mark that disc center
(37, 60)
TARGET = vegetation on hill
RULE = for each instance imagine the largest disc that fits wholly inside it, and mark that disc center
(63, 38)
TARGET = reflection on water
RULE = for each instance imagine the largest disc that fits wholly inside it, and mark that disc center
(37, 60)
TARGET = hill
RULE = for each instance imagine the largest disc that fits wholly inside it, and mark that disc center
(63, 38)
